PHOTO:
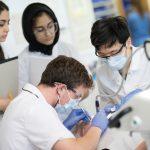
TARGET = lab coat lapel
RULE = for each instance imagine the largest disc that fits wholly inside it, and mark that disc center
(111, 79)
(138, 74)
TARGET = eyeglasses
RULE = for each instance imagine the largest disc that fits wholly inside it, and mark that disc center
(51, 28)
(97, 53)
(77, 94)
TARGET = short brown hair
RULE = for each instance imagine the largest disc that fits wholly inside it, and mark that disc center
(68, 71)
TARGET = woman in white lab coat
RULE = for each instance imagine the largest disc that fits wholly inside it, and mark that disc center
(112, 42)
(4, 29)
(41, 30)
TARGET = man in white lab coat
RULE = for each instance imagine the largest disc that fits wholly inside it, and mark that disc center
(31, 122)
(111, 39)
(112, 42)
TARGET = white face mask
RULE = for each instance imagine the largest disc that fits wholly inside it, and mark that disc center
(64, 110)
(117, 62)
(73, 103)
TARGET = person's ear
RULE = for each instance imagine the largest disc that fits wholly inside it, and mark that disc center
(129, 43)
(62, 93)
(60, 87)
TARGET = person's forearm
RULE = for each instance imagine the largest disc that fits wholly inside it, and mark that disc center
(142, 146)
(90, 140)
(3, 104)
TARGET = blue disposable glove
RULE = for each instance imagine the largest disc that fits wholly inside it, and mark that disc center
(87, 117)
(73, 118)
(100, 119)
(126, 98)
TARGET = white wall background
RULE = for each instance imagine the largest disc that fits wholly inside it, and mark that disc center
(81, 17)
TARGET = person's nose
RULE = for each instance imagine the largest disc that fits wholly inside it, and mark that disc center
(6, 28)
(47, 32)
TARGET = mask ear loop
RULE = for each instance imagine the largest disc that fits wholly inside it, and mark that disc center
(58, 97)
(125, 51)
(58, 100)
(68, 94)
(128, 54)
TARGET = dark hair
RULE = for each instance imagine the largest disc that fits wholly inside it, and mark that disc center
(3, 7)
(30, 14)
(108, 31)
(39, 14)
(2, 57)
(68, 71)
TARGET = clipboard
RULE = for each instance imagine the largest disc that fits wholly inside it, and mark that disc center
(9, 77)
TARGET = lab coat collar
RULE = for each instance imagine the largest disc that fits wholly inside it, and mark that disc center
(134, 66)
(34, 90)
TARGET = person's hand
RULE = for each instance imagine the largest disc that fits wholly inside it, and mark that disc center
(4, 102)
(81, 129)
(126, 98)
(74, 117)
(87, 117)
(100, 119)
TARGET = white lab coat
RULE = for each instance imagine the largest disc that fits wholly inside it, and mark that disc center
(30, 123)
(24, 60)
(109, 81)
(137, 77)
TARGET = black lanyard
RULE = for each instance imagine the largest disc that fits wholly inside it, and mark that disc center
(30, 92)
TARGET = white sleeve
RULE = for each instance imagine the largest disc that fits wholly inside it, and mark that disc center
(23, 69)
(44, 128)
